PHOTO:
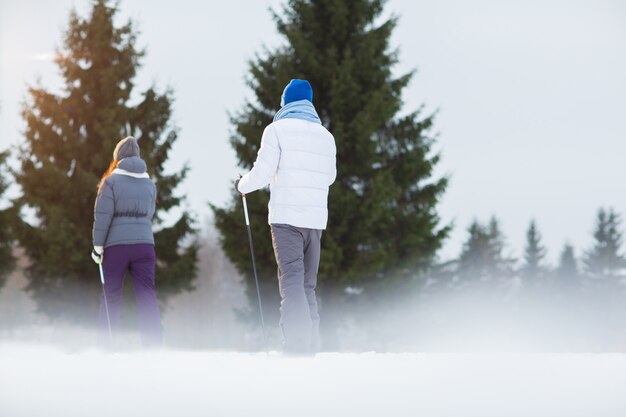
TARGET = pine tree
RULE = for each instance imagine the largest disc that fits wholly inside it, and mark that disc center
(7, 261)
(382, 207)
(567, 272)
(476, 255)
(69, 141)
(482, 257)
(604, 259)
(534, 253)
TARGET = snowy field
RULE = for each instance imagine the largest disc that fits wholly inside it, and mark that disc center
(37, 381)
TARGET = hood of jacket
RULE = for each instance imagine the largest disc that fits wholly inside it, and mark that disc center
(134, 164)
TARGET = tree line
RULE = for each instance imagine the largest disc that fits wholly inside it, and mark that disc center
(484, 259)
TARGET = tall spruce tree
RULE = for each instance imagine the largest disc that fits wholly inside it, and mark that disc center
(69, 141)
(382, 207)
(7, 261)
(482, 257)
(533, 269)
(604, 259)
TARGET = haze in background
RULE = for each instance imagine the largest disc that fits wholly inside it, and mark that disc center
(531, 97)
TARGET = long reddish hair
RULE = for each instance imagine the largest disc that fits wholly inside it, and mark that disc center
(107, 173)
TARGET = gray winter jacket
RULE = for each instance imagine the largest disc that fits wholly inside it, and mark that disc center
(125, 206)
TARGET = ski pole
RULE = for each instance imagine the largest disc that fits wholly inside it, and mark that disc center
(106, 303)
(256, 279)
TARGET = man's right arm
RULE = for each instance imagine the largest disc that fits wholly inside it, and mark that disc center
(265, 165)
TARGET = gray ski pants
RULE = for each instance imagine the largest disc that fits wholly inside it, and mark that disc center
(297, 252)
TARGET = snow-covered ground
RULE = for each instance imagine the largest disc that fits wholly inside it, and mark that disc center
(38, 381)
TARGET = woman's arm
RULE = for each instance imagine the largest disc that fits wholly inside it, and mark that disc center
(153, 204)
(103, 214)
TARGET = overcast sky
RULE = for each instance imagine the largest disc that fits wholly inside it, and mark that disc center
(531, 97)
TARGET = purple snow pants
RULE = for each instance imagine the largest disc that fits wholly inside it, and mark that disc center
(140, 261)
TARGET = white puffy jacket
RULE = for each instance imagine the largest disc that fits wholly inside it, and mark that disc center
(297, 160)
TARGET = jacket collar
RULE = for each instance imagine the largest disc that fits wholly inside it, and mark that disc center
(120, 171)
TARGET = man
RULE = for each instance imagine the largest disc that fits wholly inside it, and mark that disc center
(297, 160)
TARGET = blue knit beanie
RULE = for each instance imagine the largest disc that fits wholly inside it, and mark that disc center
(297, 90)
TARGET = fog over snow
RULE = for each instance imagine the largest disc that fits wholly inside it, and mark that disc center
(531, 98)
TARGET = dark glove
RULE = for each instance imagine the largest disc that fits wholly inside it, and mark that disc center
(237, 183)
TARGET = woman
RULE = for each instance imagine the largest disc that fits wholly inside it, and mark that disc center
(123, 240)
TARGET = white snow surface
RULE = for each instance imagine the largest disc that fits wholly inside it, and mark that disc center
(41, 381)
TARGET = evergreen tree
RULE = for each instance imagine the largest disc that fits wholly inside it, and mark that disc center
(477, 255)
(604, 259)
(382, 207)
(567, 272)
(482, 257)
(69, 141)
(7, 261)
(534, 254)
